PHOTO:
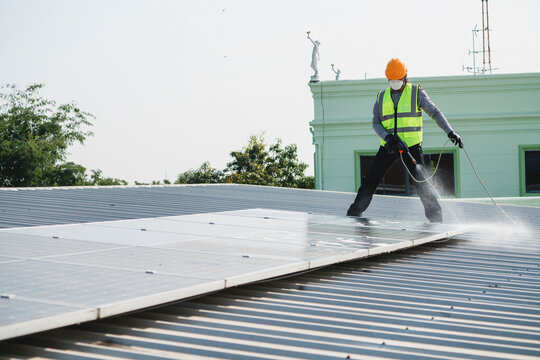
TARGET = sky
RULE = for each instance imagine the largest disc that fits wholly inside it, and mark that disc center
(175, 83)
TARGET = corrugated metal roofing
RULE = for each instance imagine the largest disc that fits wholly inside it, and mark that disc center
(50, 206)
(473, 297)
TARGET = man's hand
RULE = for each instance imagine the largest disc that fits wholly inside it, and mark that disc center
(390, 145)
(401, 146)
(456, 139)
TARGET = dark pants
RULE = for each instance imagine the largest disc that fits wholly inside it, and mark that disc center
(379, 166)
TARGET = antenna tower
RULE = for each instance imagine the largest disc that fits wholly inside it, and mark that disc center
(485, 34)
(475, 70)
(486, 48)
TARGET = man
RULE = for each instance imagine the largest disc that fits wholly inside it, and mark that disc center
(397, 120)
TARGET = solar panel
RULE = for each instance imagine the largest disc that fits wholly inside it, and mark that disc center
(64, 274)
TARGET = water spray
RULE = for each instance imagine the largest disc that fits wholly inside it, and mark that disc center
(437, 168)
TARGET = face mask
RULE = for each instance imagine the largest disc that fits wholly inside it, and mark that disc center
(396, 84)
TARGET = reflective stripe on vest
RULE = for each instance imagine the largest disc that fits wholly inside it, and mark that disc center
(409, 116)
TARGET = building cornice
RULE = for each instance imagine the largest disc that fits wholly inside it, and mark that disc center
(459, 83)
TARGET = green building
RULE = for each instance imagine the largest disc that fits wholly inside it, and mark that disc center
(497, 116)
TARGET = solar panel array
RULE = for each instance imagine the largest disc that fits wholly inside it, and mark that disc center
(65, 274)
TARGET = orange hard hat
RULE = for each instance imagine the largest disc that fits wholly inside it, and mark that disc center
(395, 70)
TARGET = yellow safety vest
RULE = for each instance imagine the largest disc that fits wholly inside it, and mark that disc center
(409, 115)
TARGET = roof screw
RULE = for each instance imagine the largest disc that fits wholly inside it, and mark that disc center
(484, 291)
(407, 328)
(451, 307)
(383, 343)
(432, 318)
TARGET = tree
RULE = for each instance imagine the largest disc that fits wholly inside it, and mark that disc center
(34, 136)
(249, 165)
(98, 180)
(205, 174)
(69, 174)
(255, 164)
(277, 166)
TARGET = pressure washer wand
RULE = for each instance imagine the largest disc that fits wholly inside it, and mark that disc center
(410, 156)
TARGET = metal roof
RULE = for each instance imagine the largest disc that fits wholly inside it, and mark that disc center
(475, 296)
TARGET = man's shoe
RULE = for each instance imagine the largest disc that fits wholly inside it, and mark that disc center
(353, 213)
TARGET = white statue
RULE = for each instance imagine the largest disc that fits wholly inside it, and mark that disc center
(314, 58)
(338, 72)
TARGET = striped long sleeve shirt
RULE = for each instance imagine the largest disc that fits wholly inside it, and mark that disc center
(424, 103)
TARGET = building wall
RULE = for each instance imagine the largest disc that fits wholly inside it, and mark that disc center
(494, 114)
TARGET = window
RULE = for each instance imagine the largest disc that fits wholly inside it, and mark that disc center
(444, 178)
(397, 180)
(530, 169)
